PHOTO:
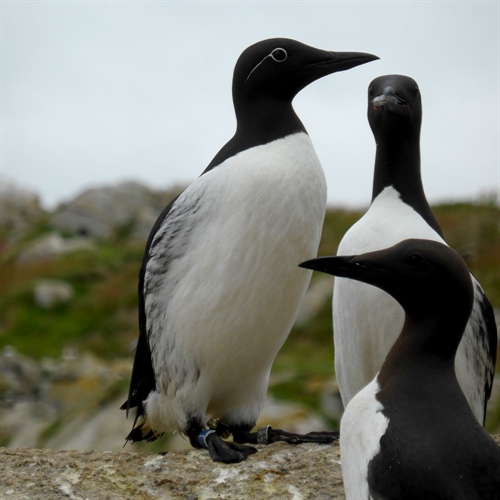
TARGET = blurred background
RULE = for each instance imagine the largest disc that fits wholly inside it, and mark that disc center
(110, 108)
(69, 317)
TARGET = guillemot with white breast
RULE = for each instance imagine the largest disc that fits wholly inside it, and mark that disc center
(219, 287)
(410, 433)
(366, 321)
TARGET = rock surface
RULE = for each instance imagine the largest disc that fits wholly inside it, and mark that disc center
(307, 471)
(50, 246)
(18, 206)
(49, 293)
(102, 211)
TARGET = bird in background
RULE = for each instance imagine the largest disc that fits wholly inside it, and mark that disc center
(219, 287)
(367, 321)
(410, 433)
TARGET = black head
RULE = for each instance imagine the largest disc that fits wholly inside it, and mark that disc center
(394, 105)
(278, 68)
(425, 277)
(266, 78)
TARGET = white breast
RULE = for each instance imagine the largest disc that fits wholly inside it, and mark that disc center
(229, 299)
(361, 427)
(367, 321)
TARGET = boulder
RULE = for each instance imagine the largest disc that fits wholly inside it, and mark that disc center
(50, 246)
(103, 211)
(50, 293)
(18, 207)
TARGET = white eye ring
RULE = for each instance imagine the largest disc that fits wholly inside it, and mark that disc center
(272, 55)
(283, 55)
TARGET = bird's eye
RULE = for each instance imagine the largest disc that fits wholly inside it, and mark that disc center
(414, 260)
(279, 55)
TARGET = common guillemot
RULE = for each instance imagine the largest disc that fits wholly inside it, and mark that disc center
(410, 433)
(219, 287)
(366, 320)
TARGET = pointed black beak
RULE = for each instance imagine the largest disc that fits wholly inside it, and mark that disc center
(343, 266)
(342, 61)
(322, 63)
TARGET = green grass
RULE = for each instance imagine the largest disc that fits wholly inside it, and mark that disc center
(102, 316)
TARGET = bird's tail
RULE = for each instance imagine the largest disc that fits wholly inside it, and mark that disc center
(142, 431)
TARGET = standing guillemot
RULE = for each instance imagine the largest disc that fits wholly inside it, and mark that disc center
(410, 433)
(219, 288)
(366, 320)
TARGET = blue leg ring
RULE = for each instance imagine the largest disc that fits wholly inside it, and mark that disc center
(202, 437)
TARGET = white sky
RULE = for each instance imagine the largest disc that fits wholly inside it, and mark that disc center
(98, 92)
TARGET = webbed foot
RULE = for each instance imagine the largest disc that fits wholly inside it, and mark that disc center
(224, 451)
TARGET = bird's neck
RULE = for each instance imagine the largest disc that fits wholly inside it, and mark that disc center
(267, 120)
(397, 164)
(427, 344)
(262, 123)
(419, 374)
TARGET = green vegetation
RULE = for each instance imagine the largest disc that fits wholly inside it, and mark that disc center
(102, 316)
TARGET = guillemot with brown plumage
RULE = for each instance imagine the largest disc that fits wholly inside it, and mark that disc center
(366, 321)
(219, 288)
(410, 433)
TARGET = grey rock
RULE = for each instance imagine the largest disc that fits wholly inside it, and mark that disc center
(49, 293)
(18, 207)
(103, 211)
(73, 403)
(60, 402)
(25, 421)
(50, 246)
(19, 376)
(307, 471)
(283, 471)
(99, 211)
(102, 429)
(144, 222)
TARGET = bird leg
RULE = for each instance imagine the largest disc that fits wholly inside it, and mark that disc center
(268, 435)
(219, 450)
(224, 451)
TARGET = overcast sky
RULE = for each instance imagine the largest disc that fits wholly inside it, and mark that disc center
(98, 92)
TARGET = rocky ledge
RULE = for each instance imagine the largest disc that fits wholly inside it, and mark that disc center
(276, 471)
(307, 471)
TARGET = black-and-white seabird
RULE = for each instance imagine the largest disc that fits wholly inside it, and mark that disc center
(410, 433)
(219, 287)
(366, 320)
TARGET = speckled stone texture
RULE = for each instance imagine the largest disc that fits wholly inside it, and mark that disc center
(277, 471)
(307, 471)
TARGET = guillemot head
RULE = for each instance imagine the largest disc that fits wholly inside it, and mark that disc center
(394, 101)
(426, 277)
(278, 68)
